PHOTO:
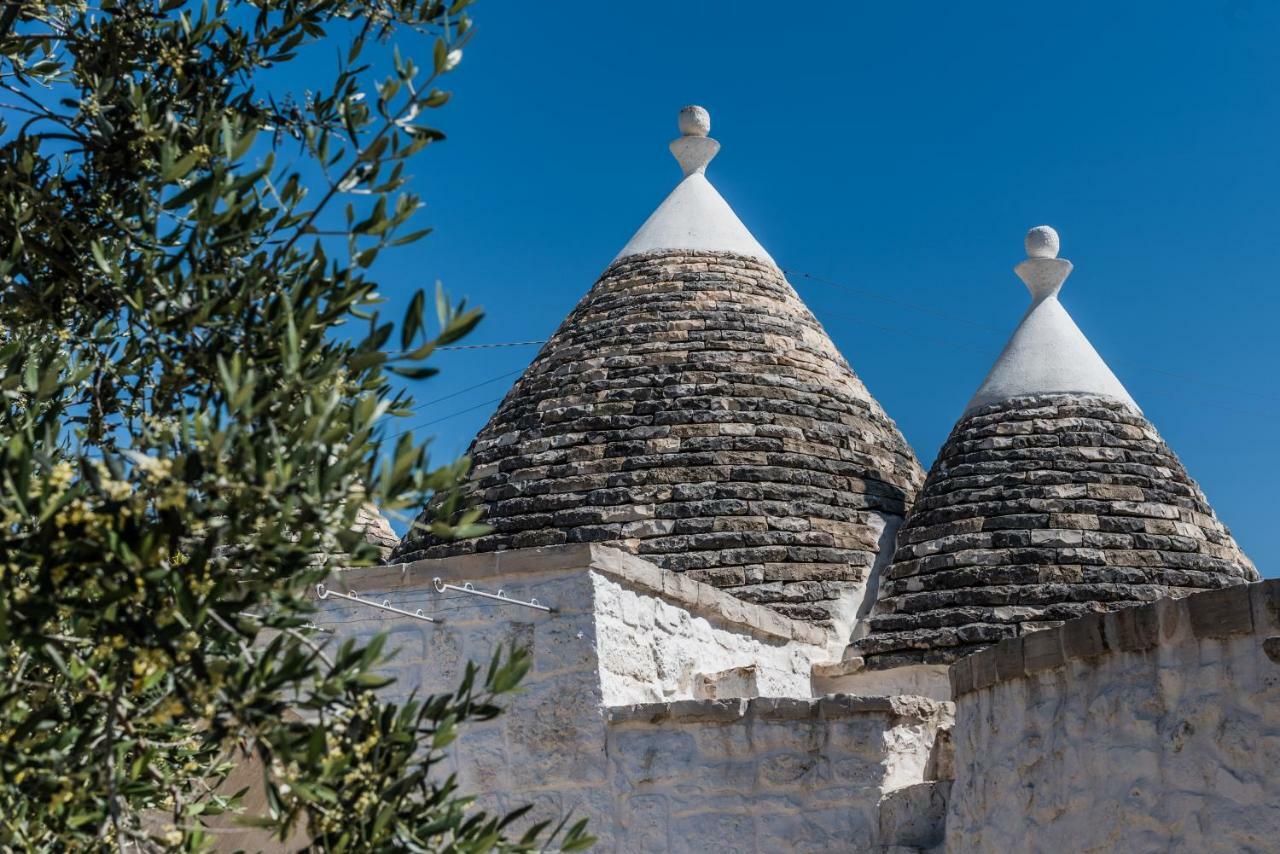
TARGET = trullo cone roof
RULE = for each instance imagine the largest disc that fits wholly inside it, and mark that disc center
(1053, 497)
(691, 410)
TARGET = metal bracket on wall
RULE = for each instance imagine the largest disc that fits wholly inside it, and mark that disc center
(499, 596)
(351, 596)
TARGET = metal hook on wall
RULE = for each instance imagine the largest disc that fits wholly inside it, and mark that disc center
(323, 592)
(499, 596)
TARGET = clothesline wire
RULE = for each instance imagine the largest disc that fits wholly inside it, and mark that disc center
(420, 598)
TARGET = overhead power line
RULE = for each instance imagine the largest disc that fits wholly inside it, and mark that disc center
(869, 293)
(966, 321)
(494, 345)
(444, 418)
(462, 391)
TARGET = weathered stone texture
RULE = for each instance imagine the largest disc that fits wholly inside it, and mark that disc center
(376, 530)
(785, 773)
(1038, 510)
(693, 411)
(1166, 739)
(770, 775)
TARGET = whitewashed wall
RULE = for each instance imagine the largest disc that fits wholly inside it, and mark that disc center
(1151, 730)
(689, 775)
(651, 650)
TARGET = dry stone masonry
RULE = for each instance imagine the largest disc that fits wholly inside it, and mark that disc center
(691, 410)
(1052, 498)
(1148, 729)
(696, 488)
(1043, 509)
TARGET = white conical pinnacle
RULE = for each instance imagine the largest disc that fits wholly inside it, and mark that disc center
(1047, 354)
(694, 216)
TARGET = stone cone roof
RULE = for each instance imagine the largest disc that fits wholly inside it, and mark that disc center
(1044, 504)
(691, 410)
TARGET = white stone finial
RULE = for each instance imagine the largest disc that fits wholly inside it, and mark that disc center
(1042, 242)
(695, 121)
(694, 149)
(1043, 271)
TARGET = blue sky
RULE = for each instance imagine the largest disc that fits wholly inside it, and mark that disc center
(900, 150)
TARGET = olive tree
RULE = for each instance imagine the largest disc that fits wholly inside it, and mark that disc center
(198, 401)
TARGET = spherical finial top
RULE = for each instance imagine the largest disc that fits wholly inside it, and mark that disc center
(1042, 242)
(695, 121)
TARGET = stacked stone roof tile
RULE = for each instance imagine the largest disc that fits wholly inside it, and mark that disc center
(1040, 509)
(692, 410)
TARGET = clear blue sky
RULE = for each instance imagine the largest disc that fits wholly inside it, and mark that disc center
(901, 149)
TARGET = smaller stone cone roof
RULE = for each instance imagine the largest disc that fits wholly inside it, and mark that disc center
(1052, 497)
(693, 411)
(376, 530)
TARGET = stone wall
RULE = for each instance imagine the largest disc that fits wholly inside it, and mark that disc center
(651, 650)
(748, 773)
(765, 775)
(1148, 729)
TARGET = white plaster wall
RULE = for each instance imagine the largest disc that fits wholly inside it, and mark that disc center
(695, 216)
(651, 651)
(548, 746)
(1174, 749)
(791, 774)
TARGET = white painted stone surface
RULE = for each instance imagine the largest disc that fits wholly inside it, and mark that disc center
(694, 121)
(651, 651)
(1042, 242)
(921, 680)
(695, 215)
(1173, 749)
(773, 774)
(1047, 352)
(803, 776)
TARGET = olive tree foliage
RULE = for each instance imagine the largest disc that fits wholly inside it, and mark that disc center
(197, 403)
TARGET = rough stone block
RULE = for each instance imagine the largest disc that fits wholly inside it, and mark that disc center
(642, 713)
(835, 706)
(1219, 613)
(1084, 637)
(961, 676)
(1172, 614)
(1008, 654)
(707, 711)
(1133, 629)
(1265, 598)
(983, 664)
(1042, 650)
(677, 588)
(784, 708)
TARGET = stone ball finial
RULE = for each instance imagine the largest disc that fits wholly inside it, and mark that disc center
(695, 121)
(1042, 242)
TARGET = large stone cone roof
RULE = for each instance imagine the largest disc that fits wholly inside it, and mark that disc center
(693, 411)
(1040, 509)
